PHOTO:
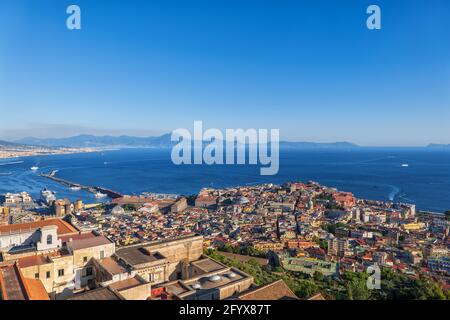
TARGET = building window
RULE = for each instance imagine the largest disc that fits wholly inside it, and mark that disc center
(47, 274)
(84, 259)
(88, 272)
(49, 239)
(60, 272)
(102, 254)
(36, 275)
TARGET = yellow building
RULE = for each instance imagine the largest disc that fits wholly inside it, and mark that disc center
(414, 226)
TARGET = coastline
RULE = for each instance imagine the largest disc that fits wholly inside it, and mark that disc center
(353, 173)
(52, 153)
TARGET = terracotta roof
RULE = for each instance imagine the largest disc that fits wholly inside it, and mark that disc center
(11, 284)
(90, 242)
(32, 261)
(277, 290)
(36, 290)
(80, 236)
(111, 265)
(64, 228)
(318, 296)
(14, 286)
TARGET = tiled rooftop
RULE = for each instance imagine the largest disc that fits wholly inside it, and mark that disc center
(64, 228)
(111, 265)
(277, 290)
(89, 242)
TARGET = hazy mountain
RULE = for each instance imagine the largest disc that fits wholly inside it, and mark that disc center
(9, 144)
(81, 141)
(159, 141)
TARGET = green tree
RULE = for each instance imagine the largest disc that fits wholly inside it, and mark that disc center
(331, 227)
(318, 276)
(323, 244)
(227, 248)
(129, 207)
(357, 289)
(253, 262)
(356, 286)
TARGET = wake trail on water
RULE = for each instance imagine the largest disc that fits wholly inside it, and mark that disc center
(11, 163)
(393, 193)
(402, 196)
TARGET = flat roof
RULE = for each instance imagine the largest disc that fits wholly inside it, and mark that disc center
(127, 284)
(176, 288)
(79, 236)
(216, 280)
(138, 255)
(36, 289)
(208, 265)
(166, 240)
(112, 266)
(64, 228)
(97, 294)
(38, 260)
(93, 241)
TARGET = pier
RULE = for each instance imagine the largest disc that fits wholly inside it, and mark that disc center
(93, 189)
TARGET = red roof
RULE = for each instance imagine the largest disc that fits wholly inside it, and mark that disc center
(32, 261)
(64, 228)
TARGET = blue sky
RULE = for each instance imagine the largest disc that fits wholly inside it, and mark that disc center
(310, 68)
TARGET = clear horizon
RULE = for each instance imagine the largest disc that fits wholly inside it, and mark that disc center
(309, 68)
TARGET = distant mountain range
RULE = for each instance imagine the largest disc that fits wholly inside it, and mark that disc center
(164, 141)
(4, 143)
(84, 141)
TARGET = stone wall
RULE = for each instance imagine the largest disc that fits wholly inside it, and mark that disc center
(141, 292)
(178, 251)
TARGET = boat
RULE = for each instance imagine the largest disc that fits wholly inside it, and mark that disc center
(100, 195)
(405, 165)
(34, 168)
(48, 196)
(75, 188)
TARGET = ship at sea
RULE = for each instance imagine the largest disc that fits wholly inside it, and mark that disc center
(425, 180)
(47, 196)
(34, 168)
(99, 195)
